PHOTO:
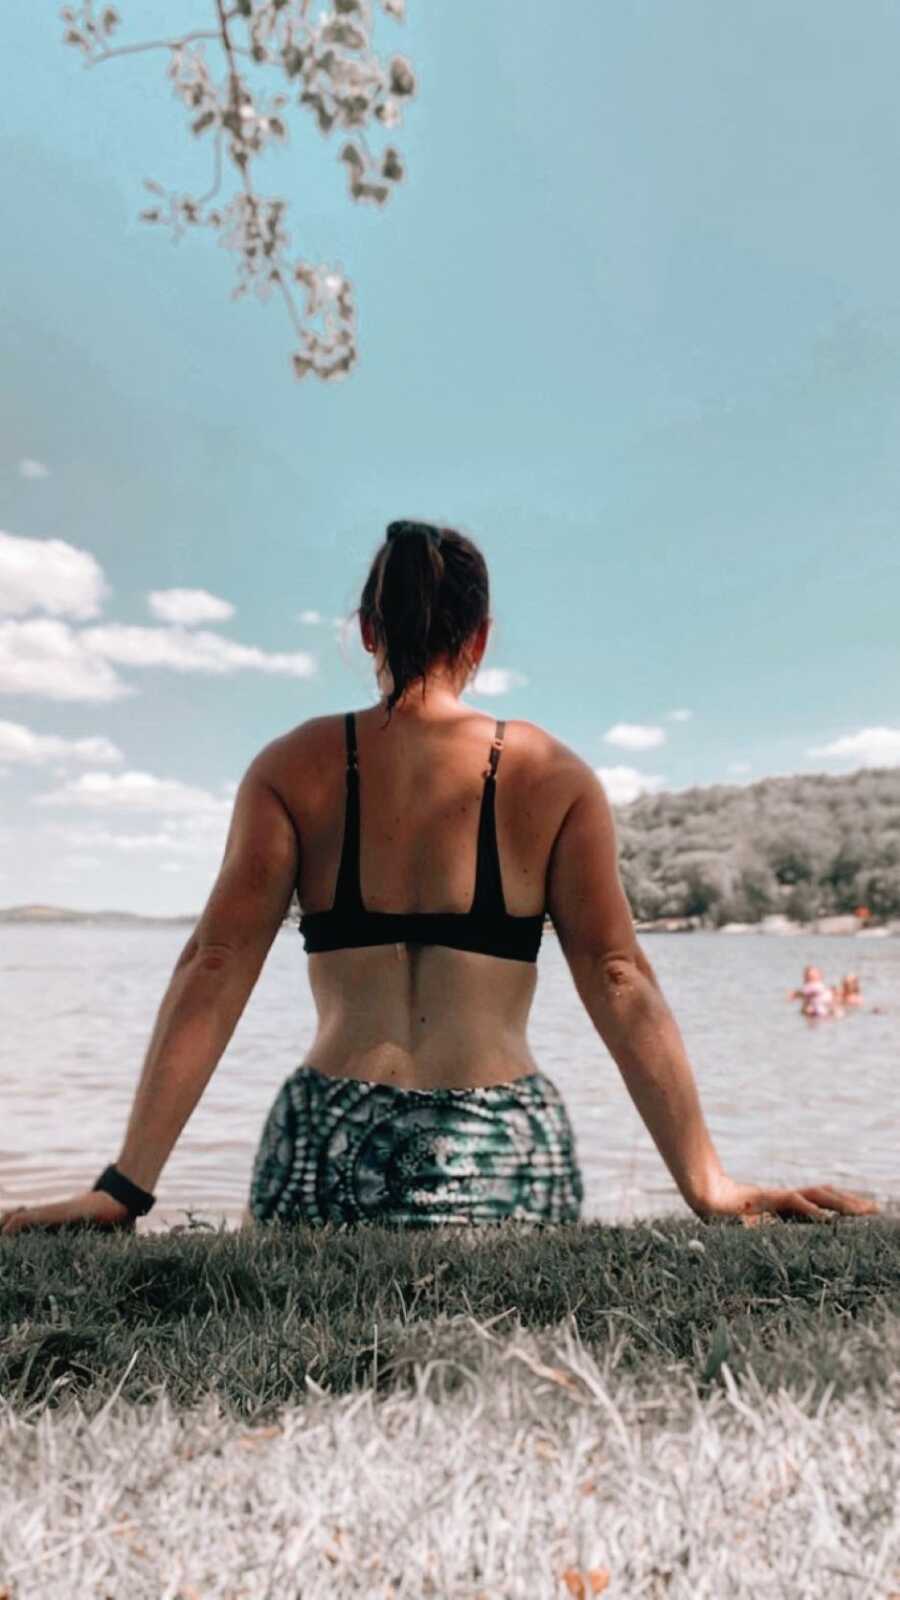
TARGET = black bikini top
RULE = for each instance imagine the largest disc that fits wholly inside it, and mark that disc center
(486, 927)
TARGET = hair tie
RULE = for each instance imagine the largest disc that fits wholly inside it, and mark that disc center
(399, 530)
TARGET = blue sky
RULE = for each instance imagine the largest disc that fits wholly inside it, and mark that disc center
(632, 321)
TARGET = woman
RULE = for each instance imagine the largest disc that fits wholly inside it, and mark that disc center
(419, 1101)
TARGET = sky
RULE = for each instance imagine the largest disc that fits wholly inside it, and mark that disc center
(631, 321)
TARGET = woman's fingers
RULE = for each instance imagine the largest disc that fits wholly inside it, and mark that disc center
(815, 1202)
(91, 1209)
(6, 1219)
(44, 1216)
(795, 1203)
(785, 1203)
(843, 1200)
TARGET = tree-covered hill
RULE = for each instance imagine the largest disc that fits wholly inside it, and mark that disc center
(806, 846)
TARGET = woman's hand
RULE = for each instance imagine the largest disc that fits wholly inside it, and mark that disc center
(751, 1203)
(94, 1208)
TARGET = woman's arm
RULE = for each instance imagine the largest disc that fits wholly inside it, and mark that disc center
(621, 995)
(212, 981)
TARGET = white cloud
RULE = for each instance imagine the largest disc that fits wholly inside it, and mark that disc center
(634, 736)
(44, 657)
(135, 791)
(872, 747)
(739, 767)
(49, 575)
(81, 863)
(48, 658)
(185, 651)
(196, 834)
(680, 716)
(32, 469)
(497, 680)
(188, 605)
(21, 744)
(624, 784)
(317, 619)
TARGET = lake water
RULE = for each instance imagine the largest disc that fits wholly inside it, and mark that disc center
(786, 1101)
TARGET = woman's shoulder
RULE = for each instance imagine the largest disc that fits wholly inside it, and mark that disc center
(304, 746)
(546, 747)
(555, 774)
(527, 745)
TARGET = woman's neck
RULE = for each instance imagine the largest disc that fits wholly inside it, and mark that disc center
(437, 700)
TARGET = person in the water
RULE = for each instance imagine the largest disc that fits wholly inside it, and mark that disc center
(851, 994)
(815, 996)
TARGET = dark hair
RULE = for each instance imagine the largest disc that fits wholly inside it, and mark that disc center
(426, 594)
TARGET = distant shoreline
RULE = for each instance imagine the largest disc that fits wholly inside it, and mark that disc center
(38, 916)
(772, 926)
(779, 927)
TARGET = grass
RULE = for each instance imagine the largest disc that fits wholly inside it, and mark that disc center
(665, 1409)
(251, 1315)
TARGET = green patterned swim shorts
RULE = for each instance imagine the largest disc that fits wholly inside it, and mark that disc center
(341, 1150)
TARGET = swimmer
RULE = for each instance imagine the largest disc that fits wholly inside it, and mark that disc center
(815, 996)
(851, 995)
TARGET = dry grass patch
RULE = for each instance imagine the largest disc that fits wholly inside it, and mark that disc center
(497, 1466)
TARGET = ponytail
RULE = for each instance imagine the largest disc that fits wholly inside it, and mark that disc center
(424, 598)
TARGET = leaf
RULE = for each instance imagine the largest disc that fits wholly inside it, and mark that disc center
(272, 1432)
(581, 1584)
(574, 1582)
(555, 1374)
(718, 1352)
(402, 80)
(345, 33)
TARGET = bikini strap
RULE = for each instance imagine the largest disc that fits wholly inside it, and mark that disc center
(350, 734)
(490, 770)
(348, 892)
(488, 899)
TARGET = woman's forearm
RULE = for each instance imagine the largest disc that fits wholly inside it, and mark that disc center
(630, 1013)
(201, 1007)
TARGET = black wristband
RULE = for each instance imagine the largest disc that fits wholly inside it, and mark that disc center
(114, 1182)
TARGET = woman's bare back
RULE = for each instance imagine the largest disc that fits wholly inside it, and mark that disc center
(415, 1015)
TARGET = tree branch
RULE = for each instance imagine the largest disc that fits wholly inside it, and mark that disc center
(341, 82)
(163, 44)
